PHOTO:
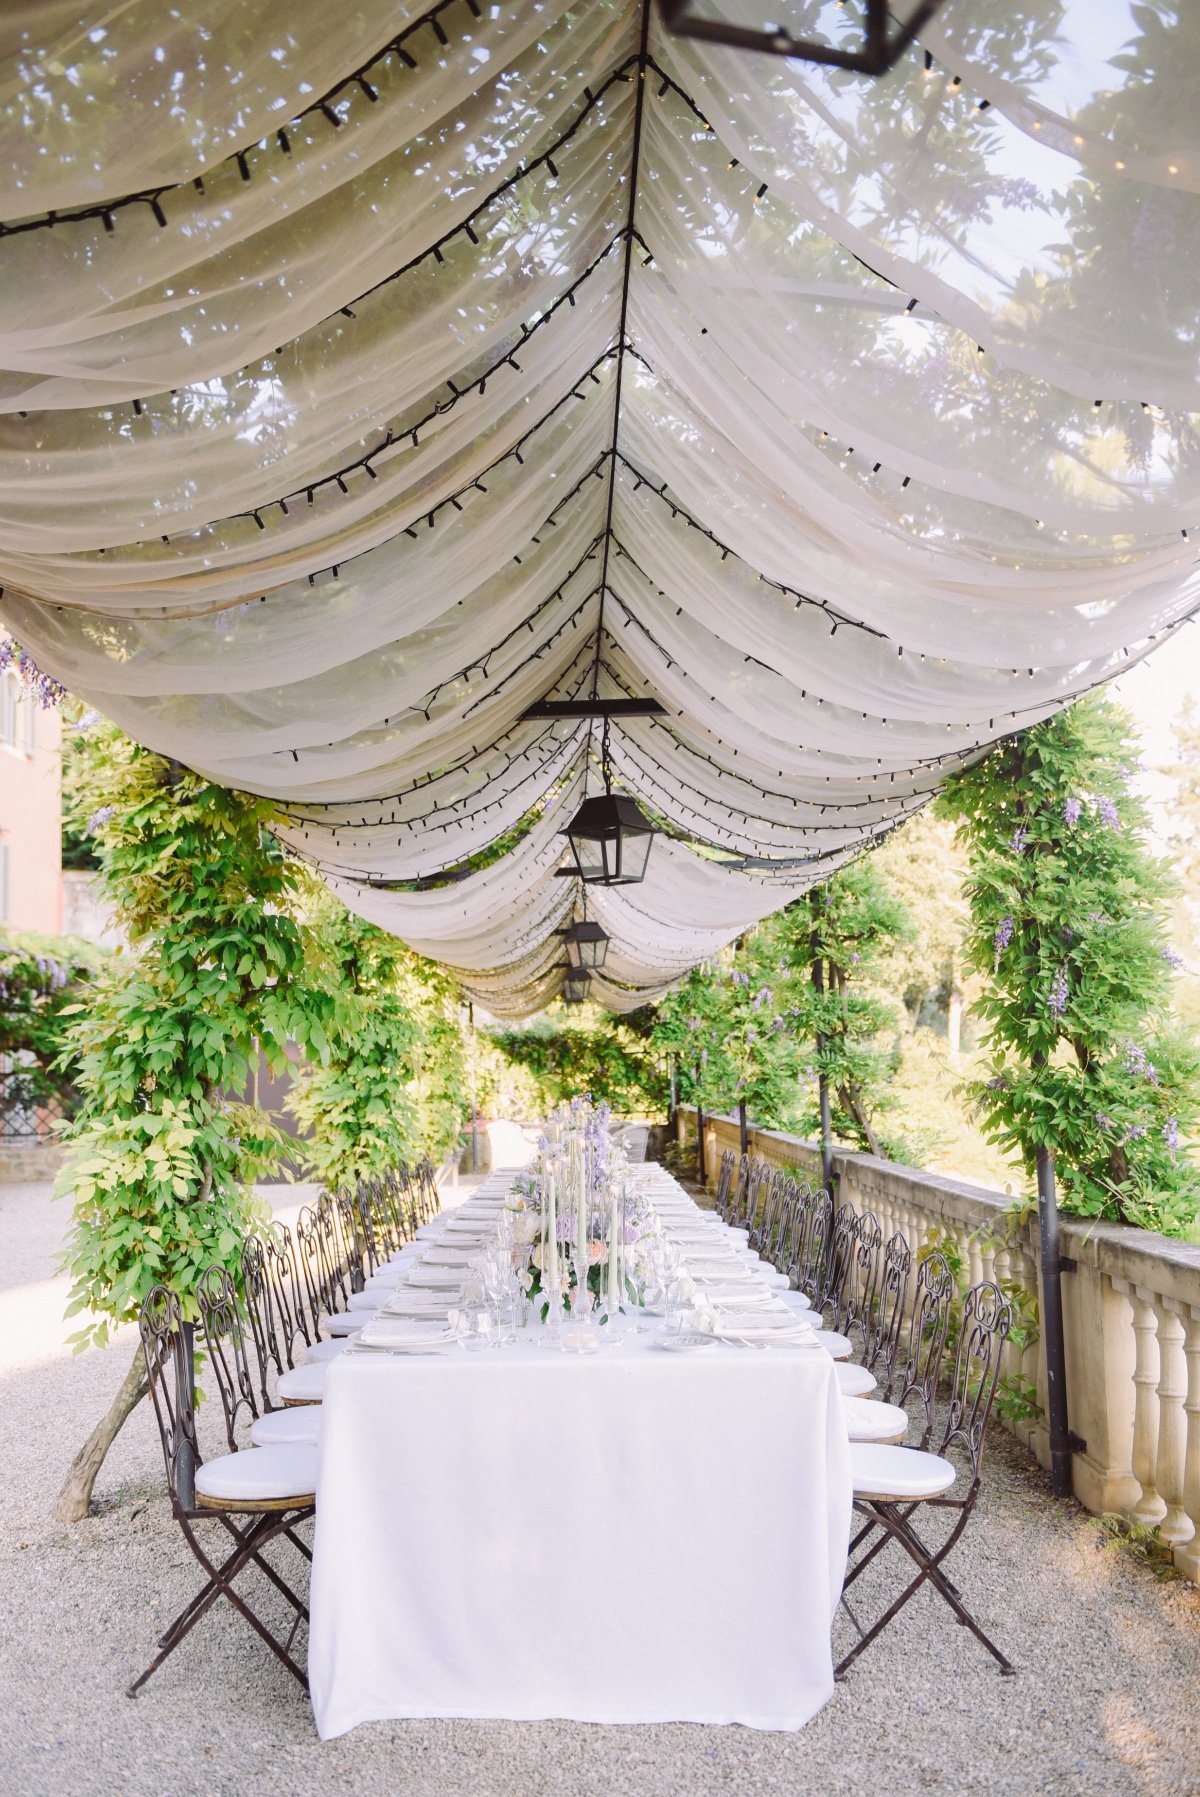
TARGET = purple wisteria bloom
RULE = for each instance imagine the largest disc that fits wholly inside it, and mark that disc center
(1003, 936)
(1072, 811)
(44, 689)
(1171, 1133)
(1171, 958)
(1135, 1132)
(1018, 840)
(1104, 1120)
(99, 818)
(1138, 1062)
(1107, 811)
(1059, 993)
(762, 997)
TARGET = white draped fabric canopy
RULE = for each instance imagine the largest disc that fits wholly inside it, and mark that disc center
(368, 375)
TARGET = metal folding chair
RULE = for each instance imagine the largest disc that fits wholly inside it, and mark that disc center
(254, 1495)
(894, 1484)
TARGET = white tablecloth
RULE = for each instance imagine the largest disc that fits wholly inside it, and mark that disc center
(631, 1536)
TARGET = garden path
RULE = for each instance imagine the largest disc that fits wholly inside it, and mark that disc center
(1106, 1704)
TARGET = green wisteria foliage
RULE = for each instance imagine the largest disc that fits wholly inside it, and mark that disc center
(390, 1089)
(164, 1145)
(843, 931)
(1068, 927)
(355, 1105)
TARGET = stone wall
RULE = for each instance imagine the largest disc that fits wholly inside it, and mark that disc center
(1131, 1304)
(24, 1163)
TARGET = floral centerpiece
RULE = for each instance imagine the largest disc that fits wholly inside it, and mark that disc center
(579, 1217)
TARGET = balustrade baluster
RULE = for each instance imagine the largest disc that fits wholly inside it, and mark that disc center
(1187, 1557)
(1150, 1508)
(1175, 1526)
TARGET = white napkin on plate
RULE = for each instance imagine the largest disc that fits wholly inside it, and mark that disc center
(736, 1297)
(409, 1332)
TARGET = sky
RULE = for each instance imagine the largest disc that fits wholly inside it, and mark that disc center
(1154, 691)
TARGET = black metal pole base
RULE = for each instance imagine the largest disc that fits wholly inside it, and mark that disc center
(1052, 1329)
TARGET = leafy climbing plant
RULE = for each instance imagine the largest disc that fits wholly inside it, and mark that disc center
(389, 1087)
(1069, 931)
(164, 1145)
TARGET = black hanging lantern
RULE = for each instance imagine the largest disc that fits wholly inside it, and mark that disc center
(577, 983)
(610, 838)
(586, 945)
(887, 28)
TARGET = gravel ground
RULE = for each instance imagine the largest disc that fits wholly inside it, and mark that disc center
(1107, 1699)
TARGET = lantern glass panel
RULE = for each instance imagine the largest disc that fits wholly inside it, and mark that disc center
(610, 840)
(576, 985)
(586, 944)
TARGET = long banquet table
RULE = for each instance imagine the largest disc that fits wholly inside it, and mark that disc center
(630, 1536)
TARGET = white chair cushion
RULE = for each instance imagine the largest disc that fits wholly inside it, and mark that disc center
(259, 1475)
(304, 1384)
(323, 1351)
(898, 1473)
(347, 1323)
(840, 1346)
(369, 1300)
(796, 1300)
(855, 1381)
(868, 1419)
(383, 1281)
(297, 1426)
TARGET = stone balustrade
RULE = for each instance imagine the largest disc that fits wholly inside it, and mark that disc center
(1131, 1304)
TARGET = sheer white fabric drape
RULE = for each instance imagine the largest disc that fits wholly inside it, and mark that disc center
(905, 454)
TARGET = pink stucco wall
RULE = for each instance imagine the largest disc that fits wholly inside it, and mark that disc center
(30, 828)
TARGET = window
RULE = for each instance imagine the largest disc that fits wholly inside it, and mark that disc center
(10, 702)
(18, 715)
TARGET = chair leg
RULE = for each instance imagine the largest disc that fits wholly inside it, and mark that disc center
(207, 1595)
(897, 1527)
(220, 1584)
(877, 1547)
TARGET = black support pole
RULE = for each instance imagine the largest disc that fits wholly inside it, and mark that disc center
(1052, 1328)
(826, 1126)
(701, 1171)
(818, 980)
(743, 1128)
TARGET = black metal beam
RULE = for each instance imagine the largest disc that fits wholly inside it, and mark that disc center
(881, 48)
(592, 708)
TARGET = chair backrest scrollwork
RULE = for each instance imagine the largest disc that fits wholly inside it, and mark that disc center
(225, 1341)
(167, 1353)
(883, 1343)
(917, 1366)
(986, 1321)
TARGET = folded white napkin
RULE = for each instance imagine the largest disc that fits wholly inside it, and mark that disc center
(443, 1278)
(788, 1331)
(410, 1303)
(405, 1332)
(738, 1297)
